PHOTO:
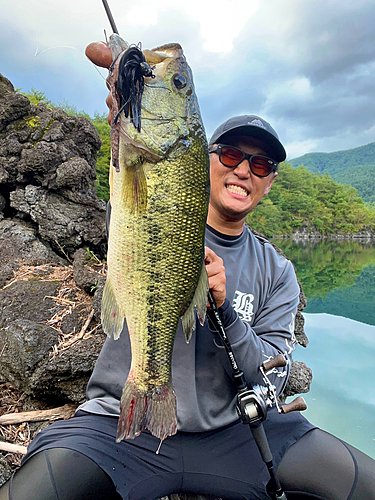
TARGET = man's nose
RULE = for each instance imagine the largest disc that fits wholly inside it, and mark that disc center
(243, 169)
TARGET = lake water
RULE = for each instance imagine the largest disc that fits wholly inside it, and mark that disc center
(338, 279)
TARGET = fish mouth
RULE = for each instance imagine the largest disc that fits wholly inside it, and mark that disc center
(157, 119)
(236, 189)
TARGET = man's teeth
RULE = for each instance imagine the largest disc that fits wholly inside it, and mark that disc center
(237, 190)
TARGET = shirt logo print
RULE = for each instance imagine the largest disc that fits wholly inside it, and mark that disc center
(242, 304)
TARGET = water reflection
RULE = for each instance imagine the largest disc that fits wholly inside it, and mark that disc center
(341, 354)
(355, 302)
(338, 277)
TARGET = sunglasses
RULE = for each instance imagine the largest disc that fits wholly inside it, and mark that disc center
(229, 156)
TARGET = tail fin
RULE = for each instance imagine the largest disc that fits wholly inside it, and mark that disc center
(154, 410)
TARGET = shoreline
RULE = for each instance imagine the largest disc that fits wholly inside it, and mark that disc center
(315, 236)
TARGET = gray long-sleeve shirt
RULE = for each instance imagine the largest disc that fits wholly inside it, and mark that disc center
(262, 299)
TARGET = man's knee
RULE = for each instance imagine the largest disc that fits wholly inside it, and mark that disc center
(56, 473)
(319, 464)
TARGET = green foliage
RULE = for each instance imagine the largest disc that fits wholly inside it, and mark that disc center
(362, 178)
(104, 156)
(91, 258)
(36, 96)
(353, 167)
(71, 110)
(300, 199)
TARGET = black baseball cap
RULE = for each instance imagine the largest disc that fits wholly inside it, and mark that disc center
(252, 126)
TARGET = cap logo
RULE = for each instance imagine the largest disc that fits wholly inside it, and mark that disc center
(257, 122)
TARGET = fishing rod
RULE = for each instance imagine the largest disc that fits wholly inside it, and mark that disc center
(110, 17)
(253, 403)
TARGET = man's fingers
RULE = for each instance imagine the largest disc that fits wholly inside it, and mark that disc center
(216, 276)
(100, 54)
(214, 264)
(109, 103)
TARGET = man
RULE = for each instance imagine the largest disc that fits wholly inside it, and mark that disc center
(212, 452)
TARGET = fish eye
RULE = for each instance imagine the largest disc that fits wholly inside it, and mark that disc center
(179, 81)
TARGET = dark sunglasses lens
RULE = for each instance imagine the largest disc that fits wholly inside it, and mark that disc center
(261, 166)
(231, 157)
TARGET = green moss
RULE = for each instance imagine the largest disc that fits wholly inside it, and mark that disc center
(33, 121)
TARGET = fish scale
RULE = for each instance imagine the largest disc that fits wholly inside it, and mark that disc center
(156, 273)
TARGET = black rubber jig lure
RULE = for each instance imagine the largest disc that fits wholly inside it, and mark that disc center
(132, 71)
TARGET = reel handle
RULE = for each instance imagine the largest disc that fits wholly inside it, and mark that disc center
(277, 361)
(298, 404)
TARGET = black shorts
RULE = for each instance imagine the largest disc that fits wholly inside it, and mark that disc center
(224, 462)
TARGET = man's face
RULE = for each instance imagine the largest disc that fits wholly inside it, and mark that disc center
(235, 192)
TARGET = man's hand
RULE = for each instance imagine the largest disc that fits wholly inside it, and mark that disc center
(216, 276)
(100, 54)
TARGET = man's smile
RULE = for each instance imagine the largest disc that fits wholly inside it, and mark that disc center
(233, 188)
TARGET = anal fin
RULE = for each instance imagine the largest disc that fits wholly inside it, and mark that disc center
(112, 319)
(199, 303)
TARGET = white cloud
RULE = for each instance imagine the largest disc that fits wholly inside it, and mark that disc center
(221, 21)
(296, 88)
(143, 17)
(299, 148)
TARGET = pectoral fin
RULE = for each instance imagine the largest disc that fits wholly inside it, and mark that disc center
(134, 193)
(133, 180)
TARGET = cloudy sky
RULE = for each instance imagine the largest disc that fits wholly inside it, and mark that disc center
(307, 66)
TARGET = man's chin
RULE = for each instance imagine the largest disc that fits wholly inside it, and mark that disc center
(236, 215)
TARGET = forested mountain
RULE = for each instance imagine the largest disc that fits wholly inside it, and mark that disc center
(337, 162)
(300, 200)
(362, 178)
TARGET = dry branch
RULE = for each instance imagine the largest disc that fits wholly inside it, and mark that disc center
(62, 412)
(3, 349)
(60, 299)
(13, 448)
(19, 278)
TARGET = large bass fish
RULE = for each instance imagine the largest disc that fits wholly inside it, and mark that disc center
(159, 180)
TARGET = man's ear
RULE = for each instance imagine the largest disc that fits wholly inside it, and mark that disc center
(270, 184)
